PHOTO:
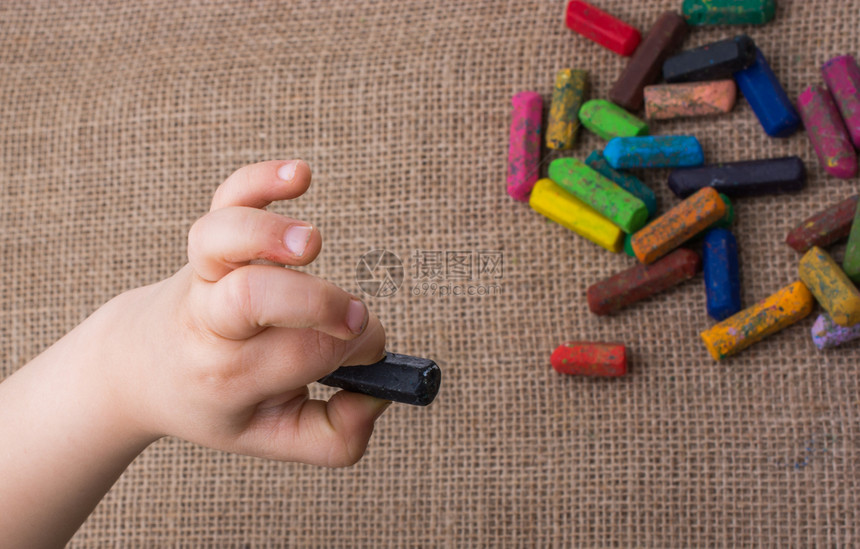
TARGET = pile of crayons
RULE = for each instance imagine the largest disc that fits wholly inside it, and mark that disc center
(612, 208)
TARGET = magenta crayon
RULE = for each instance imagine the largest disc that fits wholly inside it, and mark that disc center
(524, 144)
(827, 132)
(842, 76)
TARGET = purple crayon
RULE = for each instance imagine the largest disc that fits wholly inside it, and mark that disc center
(826, 334)
(842, 76)
(524, 147)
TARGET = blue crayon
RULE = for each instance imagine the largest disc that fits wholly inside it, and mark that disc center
(720, 263)
(768, 99)
(629, 183)
(656, 151)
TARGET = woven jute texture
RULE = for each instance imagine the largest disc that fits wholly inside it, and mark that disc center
(118, 121)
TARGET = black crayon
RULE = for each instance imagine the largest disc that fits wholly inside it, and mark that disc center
(400, 378)
(713, 61)
(748, 178)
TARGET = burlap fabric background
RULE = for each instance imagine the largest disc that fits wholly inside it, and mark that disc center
(118, 120)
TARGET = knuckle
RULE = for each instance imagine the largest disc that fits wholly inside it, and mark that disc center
(238, 294)
(204, 367)
(323, 302)
(329, 350)
(195, 238)
(311, 301)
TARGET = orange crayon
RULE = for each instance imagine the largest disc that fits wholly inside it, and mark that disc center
(668, 101)
(692, 216)
(782, 309)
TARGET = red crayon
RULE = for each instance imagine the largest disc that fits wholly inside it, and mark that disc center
(584, 358)
(600, 27)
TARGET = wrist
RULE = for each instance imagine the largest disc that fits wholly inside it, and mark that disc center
(69, 439)
(81, 379)
(100, 373)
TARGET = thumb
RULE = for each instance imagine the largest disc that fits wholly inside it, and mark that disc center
(333, 433)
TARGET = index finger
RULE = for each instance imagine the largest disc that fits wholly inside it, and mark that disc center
(258, 185)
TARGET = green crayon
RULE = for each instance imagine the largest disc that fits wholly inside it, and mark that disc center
(851, 262)
(608, 120)
(619, 206)
(728, 12)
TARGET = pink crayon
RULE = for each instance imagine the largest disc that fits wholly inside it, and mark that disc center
(842, 76)
(827, 132)
(524, 149)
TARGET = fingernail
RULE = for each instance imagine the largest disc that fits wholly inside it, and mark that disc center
(288, 170)
(356, 316)
(296, 239)
(381, 406)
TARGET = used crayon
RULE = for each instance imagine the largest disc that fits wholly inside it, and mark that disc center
(830, 286)
(602, 28)
(585, 358)
(642, 281)
(747, 178)
(608, 120)
(524, 144)
(676, 226)
(827, 334)
(827, 132)
(611, 201)
(555, 203)
(851, 261)
(656, 151)
(842, 76)
(630, 183)
(729, 12)
(780, 310)
(722, 280)
(726, 221)
(670, 101)
(399, 378)
(569, 92)
(767, 97)
(825, 227)
(664, 37)
(712, 61)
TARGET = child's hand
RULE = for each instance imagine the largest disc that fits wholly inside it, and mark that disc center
(221, 353)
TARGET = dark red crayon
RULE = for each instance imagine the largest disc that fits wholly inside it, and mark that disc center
(598, 26)
(584, 358)
(825, 227)
(665, 36)
(637, 283)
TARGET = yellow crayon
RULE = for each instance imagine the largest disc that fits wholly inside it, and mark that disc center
(830, 286)
(552, 201)
(755, 323)
(571, 86)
